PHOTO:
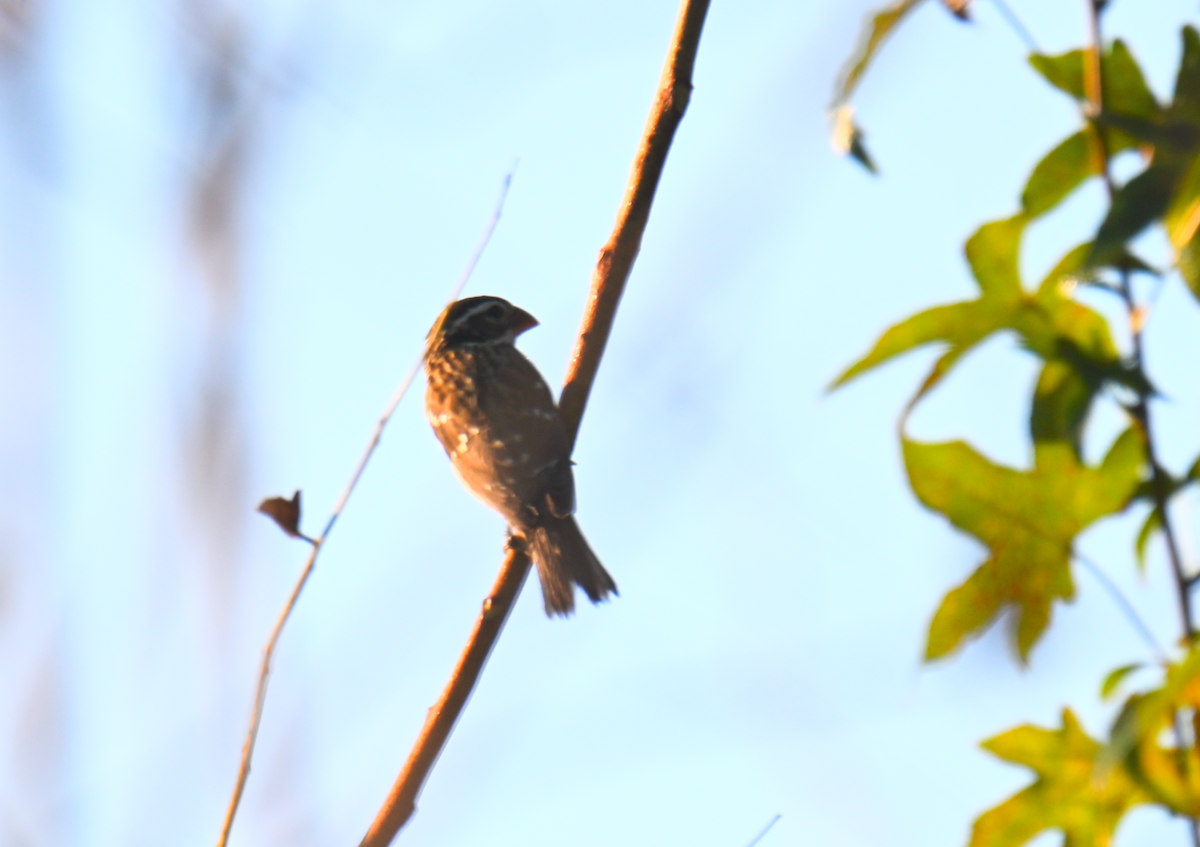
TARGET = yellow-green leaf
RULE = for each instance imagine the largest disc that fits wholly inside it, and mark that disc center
(1138, 203)
(1151, 525)
(1058, 174)
(1028, 521)
(1115, 677)
(1078, 790)
(1169, 775)
(879, 25)
(1125, 90)
(1064, 72)
(993, 254)
(1049, 323)
(1169, 188)
(1062, 399)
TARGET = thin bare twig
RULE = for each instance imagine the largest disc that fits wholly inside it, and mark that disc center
(317, 543)
(765, 830)
(1160, 480)
(608, 282)
(1125, 605)
(1017, 25)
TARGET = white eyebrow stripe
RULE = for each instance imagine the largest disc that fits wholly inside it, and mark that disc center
(477, 308)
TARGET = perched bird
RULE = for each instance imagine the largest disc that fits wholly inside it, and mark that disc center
(495, 416)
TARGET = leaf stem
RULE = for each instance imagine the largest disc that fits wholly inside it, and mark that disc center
(608, 282)
(1125, 605)
(1160, 481)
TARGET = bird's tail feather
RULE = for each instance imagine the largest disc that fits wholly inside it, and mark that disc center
(564, 560)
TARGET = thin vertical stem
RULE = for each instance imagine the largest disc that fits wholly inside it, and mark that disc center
(1160, 482)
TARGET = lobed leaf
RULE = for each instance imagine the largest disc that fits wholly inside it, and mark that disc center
(1050, 324)
(1125, 90)
(1078, 790)
(1027, 520)
(1128, 101)
(1169, 188)
(992, 253)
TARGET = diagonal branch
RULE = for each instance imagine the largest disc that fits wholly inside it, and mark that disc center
(617, 256)
(608, 282)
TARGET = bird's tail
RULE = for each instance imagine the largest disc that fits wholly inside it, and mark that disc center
(564, 560)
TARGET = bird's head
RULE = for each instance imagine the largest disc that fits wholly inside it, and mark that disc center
(478, 320)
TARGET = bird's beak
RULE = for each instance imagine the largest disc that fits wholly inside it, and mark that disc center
(520, 320)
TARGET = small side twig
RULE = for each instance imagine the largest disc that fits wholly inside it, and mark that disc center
(1125, 605)
(765, 830)
(608, 282)
(1017, 25)
(264, 673)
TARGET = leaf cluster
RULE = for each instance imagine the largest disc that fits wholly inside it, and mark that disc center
(1028, 519)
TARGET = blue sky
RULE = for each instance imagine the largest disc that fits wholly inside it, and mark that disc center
(776, 574)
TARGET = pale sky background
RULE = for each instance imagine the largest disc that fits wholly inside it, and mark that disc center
(776, 574)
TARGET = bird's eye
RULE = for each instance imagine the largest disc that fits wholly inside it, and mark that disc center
(495, 312)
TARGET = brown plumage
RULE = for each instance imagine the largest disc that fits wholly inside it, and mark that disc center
(497, 420)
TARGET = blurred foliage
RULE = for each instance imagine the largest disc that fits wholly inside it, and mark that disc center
(1028, 519)
(1079, 790)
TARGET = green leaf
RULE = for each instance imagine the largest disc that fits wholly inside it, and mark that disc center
(1058, 174)
(1062, 399)
(992, 253)
(1151, 525)
(1077, 790)
(1188, 260)
(1186, 103)
(1064, 72)
(879, 25)
(1169, 189)
(1182, 222)
(1124, 86)
(1127, 100)
(1138, 203)
(1114, 679)
(1049, 323)
(1170, 776)
(1028, 521)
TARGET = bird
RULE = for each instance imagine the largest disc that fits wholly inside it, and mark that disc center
(498, 422)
